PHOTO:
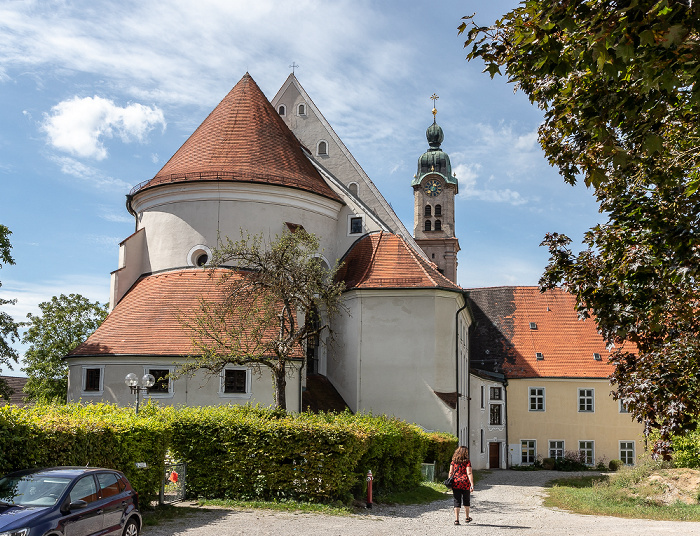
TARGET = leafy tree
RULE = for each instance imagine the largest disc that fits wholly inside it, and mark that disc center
(64, 323)
(257, 322)
(8, 327)
(618, 83)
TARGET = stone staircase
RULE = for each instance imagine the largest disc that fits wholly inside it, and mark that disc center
(320, 395)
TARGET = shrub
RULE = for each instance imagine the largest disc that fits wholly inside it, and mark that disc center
(614, 465)
(686, 450)
(548, 463)
(572, 461)
(439, 450)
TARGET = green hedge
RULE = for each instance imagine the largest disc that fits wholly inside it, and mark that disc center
(248, 452)
(686, 450)
(231, 451)
(440, 448)
(99, 435)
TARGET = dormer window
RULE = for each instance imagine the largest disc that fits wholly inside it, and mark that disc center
(438, 210)
(282, 110)
(322, 148)
(301, 110)
(428, 227)
(539, 356)
(428, 211)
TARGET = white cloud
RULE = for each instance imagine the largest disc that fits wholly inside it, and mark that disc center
(79, 125)
(91, 175)
(470, 189)
(109, 214)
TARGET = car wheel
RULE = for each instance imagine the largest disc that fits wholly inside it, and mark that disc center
(131, 528)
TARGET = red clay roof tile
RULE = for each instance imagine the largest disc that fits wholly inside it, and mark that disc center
(385, 260)
(147, 320)
(503, 334)
(243, 140)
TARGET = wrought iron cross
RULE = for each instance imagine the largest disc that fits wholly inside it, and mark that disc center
(293, 66)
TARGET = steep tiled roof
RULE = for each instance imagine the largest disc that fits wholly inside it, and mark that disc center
(244, 140)
(502, 339)
(16, 384)
(384, 260)
(147, 320)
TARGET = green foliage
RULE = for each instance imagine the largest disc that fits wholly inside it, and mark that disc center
(64, 323)
(244, 452)
(686, 450)
(548, 463)
(439, 450)
(257, 322)
(572, 461)
(9, 329)
(618, 85)
(614, 465)
(99, 435)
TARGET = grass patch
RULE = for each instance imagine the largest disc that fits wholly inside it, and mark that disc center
(635, 492)
(427, 492)
(282, 506)
(165, 512)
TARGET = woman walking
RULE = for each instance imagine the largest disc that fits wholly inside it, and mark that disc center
(461, 470)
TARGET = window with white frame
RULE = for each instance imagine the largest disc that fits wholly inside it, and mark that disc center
(623, 408)
(483, 406)
(495, 414)
(528, 451)
(587, 450)
(301, 109)
(627, 452)
(235, 382)
(495, 393)
(556, 449)
(163, 385)
(322, 148)
(586, 400)
(482, 441)
(536, 399)
(93, 380)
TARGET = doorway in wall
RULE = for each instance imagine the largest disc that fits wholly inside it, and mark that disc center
(494, 455)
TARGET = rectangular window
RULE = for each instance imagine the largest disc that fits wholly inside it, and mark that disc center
(627, 452)
(587, 451)
(482, 398)
(235, 381)
(495, 411)
(495, 393)
(585, 400)
(92, 379)
(556, 449)
(162, 385)
(482, 440)
(356, 225)
(528, 451)
(536, 398)
(623, 408)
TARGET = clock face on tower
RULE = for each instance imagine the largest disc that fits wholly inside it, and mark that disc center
(432, 188)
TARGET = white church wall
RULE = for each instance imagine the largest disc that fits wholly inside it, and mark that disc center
(133, 261)
(200, 389)
(342, 354)
(176, 219)
(405, 352)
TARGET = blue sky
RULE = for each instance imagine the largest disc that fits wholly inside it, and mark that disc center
(97, 95)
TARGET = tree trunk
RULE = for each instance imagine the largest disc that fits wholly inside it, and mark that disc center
(280, 378)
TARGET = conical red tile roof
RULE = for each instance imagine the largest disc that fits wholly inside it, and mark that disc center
(245, 140)
(385, 260)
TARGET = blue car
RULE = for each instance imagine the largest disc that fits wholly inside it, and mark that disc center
(68, 501)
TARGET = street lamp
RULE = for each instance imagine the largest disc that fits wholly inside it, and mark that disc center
(132, 381)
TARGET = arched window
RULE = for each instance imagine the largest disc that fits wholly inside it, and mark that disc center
(438, 210)
(427, 225)
(353, 188)
(428, 212)
(302, 109)
(282, 110)
(322, 148)
(438, 225)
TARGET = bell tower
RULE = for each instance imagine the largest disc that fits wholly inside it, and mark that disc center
(434, 190)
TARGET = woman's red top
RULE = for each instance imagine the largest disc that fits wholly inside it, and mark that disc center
(460, 475)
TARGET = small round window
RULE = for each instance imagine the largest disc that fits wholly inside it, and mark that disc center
(199, 255)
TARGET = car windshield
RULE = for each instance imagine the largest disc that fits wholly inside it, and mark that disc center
(32, 490)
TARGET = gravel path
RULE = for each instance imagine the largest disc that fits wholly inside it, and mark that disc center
(505, 502)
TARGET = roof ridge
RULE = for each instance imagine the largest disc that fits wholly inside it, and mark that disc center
(422, 263)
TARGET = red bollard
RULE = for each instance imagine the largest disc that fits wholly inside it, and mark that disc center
(369, 489)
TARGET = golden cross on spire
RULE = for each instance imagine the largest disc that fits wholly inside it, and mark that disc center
(434, 98)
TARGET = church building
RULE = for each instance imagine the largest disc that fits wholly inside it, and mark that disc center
(265, 167)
